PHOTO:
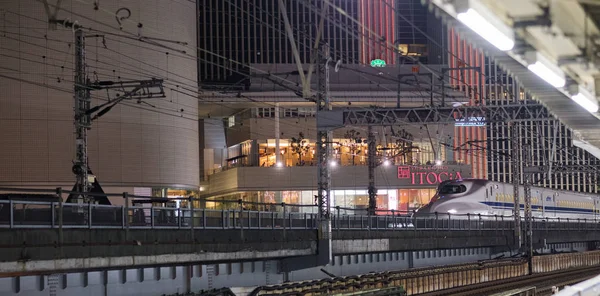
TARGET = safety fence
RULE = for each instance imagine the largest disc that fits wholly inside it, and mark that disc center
(29, 214)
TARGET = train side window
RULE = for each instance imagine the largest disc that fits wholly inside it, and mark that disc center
(453, 189)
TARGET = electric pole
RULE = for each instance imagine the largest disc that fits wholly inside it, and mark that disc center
(136, 89)
(372, 164)
(516, 176)
(324, 139)
(82, 120)
(528, 246)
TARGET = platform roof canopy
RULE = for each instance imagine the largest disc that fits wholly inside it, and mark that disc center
(562, 35)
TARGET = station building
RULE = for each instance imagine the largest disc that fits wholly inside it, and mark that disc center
(266, 154)
(143, 147)
(249, 105)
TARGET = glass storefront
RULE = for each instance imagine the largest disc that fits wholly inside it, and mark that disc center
(346, 152)
(348, 201)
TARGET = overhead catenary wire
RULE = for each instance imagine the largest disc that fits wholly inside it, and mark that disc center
(121, 68)
(275, 78)
(67, 90)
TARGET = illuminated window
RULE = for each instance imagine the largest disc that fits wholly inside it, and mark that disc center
(415, 50)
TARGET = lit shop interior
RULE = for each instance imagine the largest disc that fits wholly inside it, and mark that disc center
(349, 201)
(301, 152)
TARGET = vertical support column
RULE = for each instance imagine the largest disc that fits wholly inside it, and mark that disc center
(516, 174)
(399, 77)
(371, 158)
(443, 81)
(431, 89)
(82, 119)
(290, 34)
(528, 246)
(192, 215)
(277, 135)
(126, 221)
(324, 138)
(60, 215)
(254, 158)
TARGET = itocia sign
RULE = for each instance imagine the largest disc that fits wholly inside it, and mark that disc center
(430, 175)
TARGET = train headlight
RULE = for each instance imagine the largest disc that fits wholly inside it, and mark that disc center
(452, 211)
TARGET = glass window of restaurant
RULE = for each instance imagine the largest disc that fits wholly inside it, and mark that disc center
(349, 201)
(347, 152)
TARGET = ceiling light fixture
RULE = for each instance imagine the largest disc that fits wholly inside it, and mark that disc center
(584, 98)
(475, 16)
(545, 69)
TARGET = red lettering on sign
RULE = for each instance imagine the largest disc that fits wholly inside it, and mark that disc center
(403, 172)
(427, 175)
(440, 180)
(421, 177)
(458, 176)
(432, 178)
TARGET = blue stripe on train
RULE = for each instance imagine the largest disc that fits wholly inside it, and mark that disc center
(535, 207)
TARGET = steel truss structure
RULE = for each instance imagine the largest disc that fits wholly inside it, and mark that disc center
(467, 115)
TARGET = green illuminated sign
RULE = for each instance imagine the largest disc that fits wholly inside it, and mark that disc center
(378, 63)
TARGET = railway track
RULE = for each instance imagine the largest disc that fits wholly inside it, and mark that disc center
(543, 283)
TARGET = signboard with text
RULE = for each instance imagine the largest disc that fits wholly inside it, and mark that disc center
(470, 121)
(427, 175)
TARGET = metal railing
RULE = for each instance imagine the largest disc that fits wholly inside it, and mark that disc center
(25, 214)
(28, 214)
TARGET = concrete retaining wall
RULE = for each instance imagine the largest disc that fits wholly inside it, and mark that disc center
(195, 277)
(39, 250)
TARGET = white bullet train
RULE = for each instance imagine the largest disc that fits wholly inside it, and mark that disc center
(477, 196)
